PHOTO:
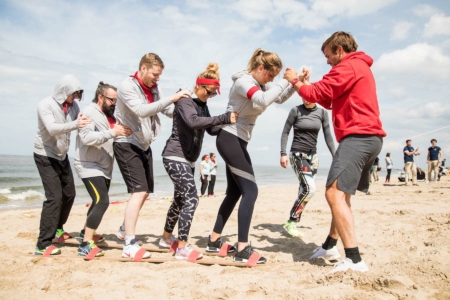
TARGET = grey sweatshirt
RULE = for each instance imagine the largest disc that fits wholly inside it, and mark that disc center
(134, 111)
(54, 127)
(249, 100)
(307, 123)
(94, 154)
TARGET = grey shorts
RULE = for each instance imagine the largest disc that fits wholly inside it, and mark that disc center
(353, 161)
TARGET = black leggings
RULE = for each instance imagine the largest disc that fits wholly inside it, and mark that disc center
(185, 198)
(204, 184)
(388, 176)
(240, 182)
(211, 185)
(97, 188)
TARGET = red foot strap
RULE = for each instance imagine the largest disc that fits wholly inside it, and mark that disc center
(253, 260)
(193, 256)
(224, 250)
(174, 247)
(48, 251)
(63, 237)
(93, 253)
(139, 255)
(97, 237)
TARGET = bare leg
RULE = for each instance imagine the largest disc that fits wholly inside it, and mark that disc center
(88, 234)
(132, 211)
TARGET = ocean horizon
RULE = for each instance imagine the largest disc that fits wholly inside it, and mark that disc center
(21, 185)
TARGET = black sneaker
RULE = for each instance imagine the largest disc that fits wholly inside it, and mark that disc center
(215, 246)
(244, 255)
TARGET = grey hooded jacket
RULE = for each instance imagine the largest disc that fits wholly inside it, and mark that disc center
(249, 99)
(53, 135)
(94, 154)
(134, 111)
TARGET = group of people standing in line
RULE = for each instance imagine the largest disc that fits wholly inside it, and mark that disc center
(122, 123)
(208, 174)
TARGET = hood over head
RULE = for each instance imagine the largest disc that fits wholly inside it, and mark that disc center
(239, 74)
(67, 85)
(360, 55)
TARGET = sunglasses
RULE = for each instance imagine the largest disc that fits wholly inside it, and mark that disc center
(113, 100)
(209, 93)
(78, 94)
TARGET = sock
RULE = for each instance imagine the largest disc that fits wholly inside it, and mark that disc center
(84, 244)
(353, 254)
(293, 219)
(82, 232)
(129, 238)
(329, 243)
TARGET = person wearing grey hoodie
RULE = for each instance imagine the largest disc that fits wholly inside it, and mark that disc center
(94, 160)
(252, 92)
(58, 115)
(139, 100)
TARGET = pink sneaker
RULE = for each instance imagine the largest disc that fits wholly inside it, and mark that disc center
(167, 243)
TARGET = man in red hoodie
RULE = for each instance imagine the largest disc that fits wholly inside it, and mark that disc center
(349, 91)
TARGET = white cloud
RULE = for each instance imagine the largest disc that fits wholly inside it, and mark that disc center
(401, 30)
(417, 58)
(439, 24)
(425, 10)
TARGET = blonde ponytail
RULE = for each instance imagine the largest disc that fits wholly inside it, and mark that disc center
(269, 60)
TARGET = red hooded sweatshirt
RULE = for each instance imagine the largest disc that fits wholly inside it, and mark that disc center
(349, 91)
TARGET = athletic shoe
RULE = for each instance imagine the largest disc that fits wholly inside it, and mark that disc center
(129, 251)
(81, 237)
(84, 250)
(291, 228)
(215, 246)
(62, 232)
(121, 236)
(183, 253)
(244, 255)
(331, 254)
(55, 251)
(346, 264)
(167, 243)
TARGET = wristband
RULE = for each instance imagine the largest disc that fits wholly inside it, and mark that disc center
(294, 82)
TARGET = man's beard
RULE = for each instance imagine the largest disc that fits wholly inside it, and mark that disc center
(108, 110)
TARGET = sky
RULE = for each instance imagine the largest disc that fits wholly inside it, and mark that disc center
(96, 41)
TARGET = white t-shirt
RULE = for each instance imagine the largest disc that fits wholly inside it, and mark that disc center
(212, 168)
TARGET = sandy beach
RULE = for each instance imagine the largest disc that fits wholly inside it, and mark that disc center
(403, 234)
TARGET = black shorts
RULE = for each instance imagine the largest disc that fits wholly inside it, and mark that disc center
(353, 161)
(136, 166)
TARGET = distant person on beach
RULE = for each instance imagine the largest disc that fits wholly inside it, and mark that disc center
(389, 165)
(58, 115)
(251, 93)
(204, 173)
(420, 175)
(307, 120)
(442, 170)
(212, 174)
(94, 160)
(349, 91)
(374, 170)
(191, 118)
(410, 166)
(434, 158)
(139, 100)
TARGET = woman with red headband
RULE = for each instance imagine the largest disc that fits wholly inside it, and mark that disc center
(252, 92)
(191, 119)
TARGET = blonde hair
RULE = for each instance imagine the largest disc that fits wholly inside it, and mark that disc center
(150, 60)
(269, 60)
(211, 72)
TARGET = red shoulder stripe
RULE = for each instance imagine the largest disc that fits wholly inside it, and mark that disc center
(252, 91)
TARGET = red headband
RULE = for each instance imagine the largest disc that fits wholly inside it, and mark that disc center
(206, 81)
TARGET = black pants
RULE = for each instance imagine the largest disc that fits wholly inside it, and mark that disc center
(204, 184)
(97, 188)
(185, 198)
(59, 187)
(240, 182)
(388, 176)
(212, 183)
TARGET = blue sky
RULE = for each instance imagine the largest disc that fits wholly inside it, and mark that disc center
(104, 41)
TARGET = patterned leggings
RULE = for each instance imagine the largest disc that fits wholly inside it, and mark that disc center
(305, 167)
(185, 199)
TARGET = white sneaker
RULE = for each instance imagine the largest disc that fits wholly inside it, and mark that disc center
(129, 251)
(346, 264)
(121, 236)
(184, 252)
(330, 254)
(167, 243)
